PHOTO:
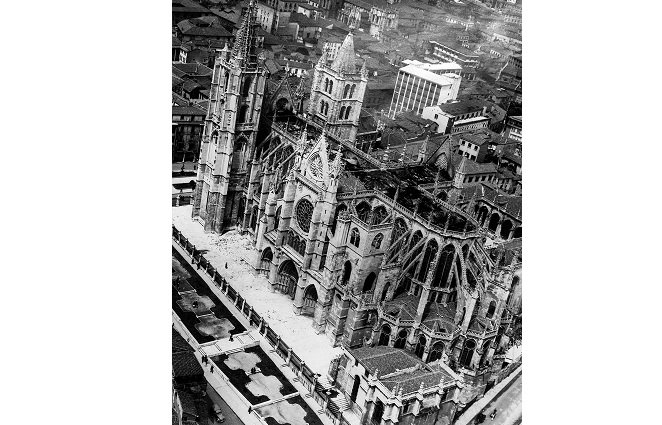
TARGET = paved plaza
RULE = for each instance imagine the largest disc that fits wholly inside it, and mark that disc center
(235, 250)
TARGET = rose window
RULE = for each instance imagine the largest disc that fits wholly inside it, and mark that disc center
(316, 166)
(304, 213)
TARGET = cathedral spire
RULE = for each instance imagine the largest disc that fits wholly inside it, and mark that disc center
(460, 173)
(345, 61)
(245, 38)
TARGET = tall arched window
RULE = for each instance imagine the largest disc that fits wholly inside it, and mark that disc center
(467, 352)
(444, 266)
(321, 107)
(428, 257)
(369, 283)
(415, 238)
(326, 84)
(243, 112)
(330, 86)
(506, 227)
(401, 339)
(246, 87)
(347, 272)
(277, 218)
(240, 211)
(494, 222)
(420, 346)
(342, 112)
(351, 92)
(354, 237)
(377, 242)
(378, 412)
(384, 335)
(363, 211)
(254, 218)
(436, 351)
(345, 92)
(339, 210)
(347, 111)
(379, 214)
(491, 309)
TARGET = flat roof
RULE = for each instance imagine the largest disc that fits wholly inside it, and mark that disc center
(457, 48)
(426, 75)
(434, 66)
(470, 120)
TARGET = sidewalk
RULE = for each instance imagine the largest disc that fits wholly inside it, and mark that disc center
(480, 404)
(238, 403)
(231, 395)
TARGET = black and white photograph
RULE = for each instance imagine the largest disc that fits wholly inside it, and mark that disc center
(339, 212)
(347, 212)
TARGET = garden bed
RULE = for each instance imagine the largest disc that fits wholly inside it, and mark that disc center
(259, 387)
(190, 280)
(293, 411)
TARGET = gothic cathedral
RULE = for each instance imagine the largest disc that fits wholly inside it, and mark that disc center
(230, 131)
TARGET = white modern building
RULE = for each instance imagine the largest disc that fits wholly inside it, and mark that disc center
(417, 87)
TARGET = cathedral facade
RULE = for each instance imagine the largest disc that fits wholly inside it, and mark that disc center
(230, 130)
(375, 252)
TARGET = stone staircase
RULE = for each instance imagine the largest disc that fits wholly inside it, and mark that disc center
(336, 404)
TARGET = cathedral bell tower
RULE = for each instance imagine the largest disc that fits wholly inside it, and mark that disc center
(337, 92)
(230, 130)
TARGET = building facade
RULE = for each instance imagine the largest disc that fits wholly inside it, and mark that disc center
(452, 53)
(187, 126)
(230, 129)
(417, 88)
(385, 253)
(513, 130)
(457, 117)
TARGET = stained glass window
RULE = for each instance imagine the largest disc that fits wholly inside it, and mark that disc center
(316, 166)
(304, 212)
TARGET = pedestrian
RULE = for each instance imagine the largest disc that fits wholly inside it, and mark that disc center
(231, 339)
(211, 369)
(195, 304)
(250, 409)
(226, 265)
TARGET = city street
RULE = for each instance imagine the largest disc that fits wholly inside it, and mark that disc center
(230, 417)
(508, 405)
